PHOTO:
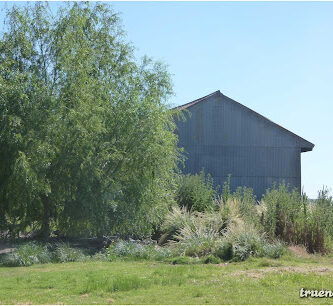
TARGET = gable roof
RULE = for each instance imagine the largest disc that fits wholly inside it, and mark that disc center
(187, 105)
(306, 145)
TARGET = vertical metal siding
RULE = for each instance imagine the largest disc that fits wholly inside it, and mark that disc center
(222, 138)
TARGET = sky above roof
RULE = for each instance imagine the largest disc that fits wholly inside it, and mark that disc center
(274, 57)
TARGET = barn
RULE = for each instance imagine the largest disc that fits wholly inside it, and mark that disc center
(225, 137)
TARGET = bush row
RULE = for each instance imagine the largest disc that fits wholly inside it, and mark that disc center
(221, 250)
(223, 234)
(37, 253)
(282, 214)
(206, 227)
(34, 253)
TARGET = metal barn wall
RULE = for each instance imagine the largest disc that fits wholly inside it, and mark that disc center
(223, 137)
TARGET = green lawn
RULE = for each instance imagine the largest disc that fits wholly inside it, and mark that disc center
(256, 281)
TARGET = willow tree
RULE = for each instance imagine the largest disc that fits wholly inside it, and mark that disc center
(86, 139)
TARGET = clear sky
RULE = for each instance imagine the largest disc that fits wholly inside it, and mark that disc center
(274, 57)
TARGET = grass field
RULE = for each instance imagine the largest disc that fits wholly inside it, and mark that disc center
(255, 281)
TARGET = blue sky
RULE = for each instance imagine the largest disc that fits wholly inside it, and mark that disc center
(274, 57)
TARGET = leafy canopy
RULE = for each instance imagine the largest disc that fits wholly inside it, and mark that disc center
(86, 139)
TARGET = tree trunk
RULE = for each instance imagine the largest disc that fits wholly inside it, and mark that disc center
(45, 229)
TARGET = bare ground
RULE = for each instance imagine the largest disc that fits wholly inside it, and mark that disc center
(260, 273)
(6, 247)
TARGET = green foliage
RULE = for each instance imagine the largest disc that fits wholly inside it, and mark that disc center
(86, 139)
(210, 259)
(289, 216)
(182, 260)
(272, 250)
(174, 221)
(248, 208)
(246, 240)
(37, 253)
(65, 253)
(322, 209)
(226, 190)
(284, 210)
(133, 250)
(196, 192)
(197, 240)
(224, 250)
(101, 256)
(27, 255)
(233, 231)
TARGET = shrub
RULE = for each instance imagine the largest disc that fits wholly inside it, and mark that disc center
(271, 250)
(289, 216)
(64, 253)
(322, 209)
(248, 208)
(126, 249)
(226, 190)
(211, 220)
(101, 256)
(211, 259)
(284, 209)
(182, 260)
(196, 241)
(224, 250)
(246, 240)
(162, 253)
(241, 253)
(311, 234)
(133, 250)
(174, 221)
(27, 255)
(230, 213)
(178, 218)
(196, 192)
(240, 227)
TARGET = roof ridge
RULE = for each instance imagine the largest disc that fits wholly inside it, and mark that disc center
(186, 105)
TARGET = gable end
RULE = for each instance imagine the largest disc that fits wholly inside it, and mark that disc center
(305, 145)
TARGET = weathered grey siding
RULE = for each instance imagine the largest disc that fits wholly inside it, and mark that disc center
(224, 137)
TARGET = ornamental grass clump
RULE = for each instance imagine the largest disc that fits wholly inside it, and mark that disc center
(174, 221)
(246, 240)
(27, 255)
(65, 253)
(196, 241)
(130, 250)
(272, 250)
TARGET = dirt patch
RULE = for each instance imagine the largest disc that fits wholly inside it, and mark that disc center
(260, 273)
(6, 248)
(222, 264)
(110, 301)
(84, 295)
(299, 251)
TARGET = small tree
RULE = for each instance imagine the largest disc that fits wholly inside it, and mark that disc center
(196, 192)
(86, 140)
